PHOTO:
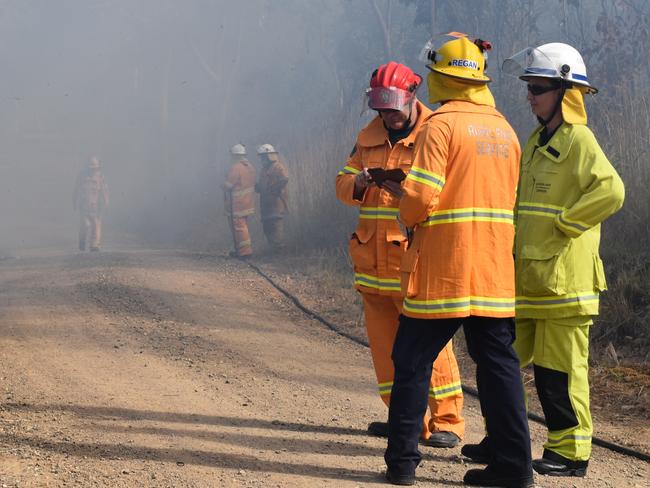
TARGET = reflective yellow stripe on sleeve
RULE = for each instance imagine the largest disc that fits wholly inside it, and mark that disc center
(426, 177)
(349, 170)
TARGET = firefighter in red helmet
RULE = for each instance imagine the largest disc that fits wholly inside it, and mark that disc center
(370, 181)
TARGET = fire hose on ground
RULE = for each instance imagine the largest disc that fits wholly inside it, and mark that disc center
(467, 389)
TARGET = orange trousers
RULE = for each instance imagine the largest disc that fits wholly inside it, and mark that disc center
(445, 393)
(90, 226)
(241, 236)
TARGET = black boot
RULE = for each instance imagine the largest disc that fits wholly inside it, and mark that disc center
(553, 464)
(488, 477)
(378, 429)
(479, 453)
(441, 439)
(400, 479)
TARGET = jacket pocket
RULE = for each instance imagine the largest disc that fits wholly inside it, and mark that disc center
(408, 273)
(600, 283)
(542, 271)
(395, 247)
(362, 254)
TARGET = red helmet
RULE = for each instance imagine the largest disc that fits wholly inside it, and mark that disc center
(392, 86)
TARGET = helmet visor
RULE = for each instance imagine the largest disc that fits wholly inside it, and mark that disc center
(391, 98)
(530, 62)
(428, 51)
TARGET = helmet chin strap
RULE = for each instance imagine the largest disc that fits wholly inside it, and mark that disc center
(558, 105)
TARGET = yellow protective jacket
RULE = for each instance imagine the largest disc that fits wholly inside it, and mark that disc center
(272, 187)
(567, 188)
(459, 196)
(377, 245)
(239, 189)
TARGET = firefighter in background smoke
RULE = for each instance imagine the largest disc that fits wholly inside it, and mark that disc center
(458, 271)
(239, 193)
(272, 187)
(378, 244)
(90, 198)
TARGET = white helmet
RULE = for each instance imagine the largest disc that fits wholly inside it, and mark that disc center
(238, 150)
(266, 149)
(555, 60)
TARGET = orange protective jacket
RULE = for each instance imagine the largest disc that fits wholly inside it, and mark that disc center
(272, 187)
(90, 193)
(459, 196)
(377, 245)
(239, 190)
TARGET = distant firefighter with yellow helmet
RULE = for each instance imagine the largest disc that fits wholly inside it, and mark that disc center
(272, 187)
(239, 193)
(91, 199)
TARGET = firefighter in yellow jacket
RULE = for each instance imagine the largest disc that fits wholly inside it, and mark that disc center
(567, 188)
(239, 193)
(458, 270)
(90, 198)
(378, 244)
(272, 187)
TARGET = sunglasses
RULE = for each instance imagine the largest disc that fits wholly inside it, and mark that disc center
(540, 90)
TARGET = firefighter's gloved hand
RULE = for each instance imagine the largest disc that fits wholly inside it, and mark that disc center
(361, 181)
(393, 187)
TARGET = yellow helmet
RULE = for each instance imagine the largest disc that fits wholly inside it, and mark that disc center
(459, 58)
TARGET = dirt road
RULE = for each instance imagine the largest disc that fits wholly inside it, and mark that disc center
(162, 369)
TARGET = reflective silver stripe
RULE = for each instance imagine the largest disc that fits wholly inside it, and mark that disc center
(426, 177)
(555, 301)
(454, 305)
(239, 193)
(388, 213)
(573, 224)
(374, 282)
(569, 437)
(385, 388)
(445, 391)
(469, 214)
(536, 208)
(349, 170)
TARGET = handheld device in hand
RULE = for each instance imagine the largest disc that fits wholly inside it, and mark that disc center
(379, 175)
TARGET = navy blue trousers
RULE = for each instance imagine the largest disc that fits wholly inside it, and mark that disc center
(489, 343)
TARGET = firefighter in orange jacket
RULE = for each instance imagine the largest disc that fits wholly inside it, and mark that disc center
(458, 270)
(272, 187)
(90, 198)
(378, 244)
(239, 193)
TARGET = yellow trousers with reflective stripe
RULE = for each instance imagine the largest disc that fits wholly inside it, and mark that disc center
(559, 352)
(445, 393)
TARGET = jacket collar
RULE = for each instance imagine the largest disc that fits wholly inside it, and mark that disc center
(557, 149)
(466, 107)
(375, 134)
